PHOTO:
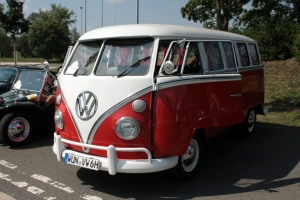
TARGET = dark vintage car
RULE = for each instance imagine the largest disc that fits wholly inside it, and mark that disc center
(8, 75)
(20, 110)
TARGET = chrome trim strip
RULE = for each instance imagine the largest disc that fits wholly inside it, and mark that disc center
(199, 79)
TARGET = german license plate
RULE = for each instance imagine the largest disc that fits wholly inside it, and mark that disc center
(81, 161)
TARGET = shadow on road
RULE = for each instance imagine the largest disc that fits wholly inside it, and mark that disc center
(230, 166)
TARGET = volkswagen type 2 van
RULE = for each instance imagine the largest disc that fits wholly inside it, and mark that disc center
(144, 98)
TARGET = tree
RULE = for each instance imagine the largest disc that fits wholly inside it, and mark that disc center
(275, 36)
(5, 45)
(214, 14)
(74, 36)
(13, 21)
(49, 34)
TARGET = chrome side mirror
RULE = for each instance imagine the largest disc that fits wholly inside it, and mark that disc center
(169, 67)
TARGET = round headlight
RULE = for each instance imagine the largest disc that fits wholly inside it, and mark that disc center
(127, 128)
(58, 99)
(58, 119)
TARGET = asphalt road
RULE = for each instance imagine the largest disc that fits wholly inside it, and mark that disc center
(265, 166)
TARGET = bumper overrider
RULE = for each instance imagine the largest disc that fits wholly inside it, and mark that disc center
(112, 164)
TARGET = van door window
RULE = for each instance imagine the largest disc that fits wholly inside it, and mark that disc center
(213, 55)
(84, 58)
(242, 48)
(193, 62)
(253, 54)
(133, 56)
(229, 56)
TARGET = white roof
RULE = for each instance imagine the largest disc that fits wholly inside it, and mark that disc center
(160, 30)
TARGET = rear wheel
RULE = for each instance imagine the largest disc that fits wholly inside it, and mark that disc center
(15, 129)
(188, 163)
(248, 126)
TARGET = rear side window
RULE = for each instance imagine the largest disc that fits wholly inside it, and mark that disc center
(213, 55)
(228, 51)
(242, 48)
(253, 54)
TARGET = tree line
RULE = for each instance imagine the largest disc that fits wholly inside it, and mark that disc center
(274, 24)
(44, 34)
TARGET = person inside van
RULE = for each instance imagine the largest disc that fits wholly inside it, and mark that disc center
(49, 92)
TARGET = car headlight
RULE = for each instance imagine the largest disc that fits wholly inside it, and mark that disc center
(127, 128)
(58, 119)
(58, 99)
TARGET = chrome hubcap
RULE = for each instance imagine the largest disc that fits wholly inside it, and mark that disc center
(18, 129)
(251, 121)
(190, 158)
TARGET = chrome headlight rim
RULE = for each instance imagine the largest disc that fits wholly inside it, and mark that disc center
(58, 99)
(129, 121)
(58, 119)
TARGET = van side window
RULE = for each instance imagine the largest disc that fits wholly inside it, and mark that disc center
(253, 54)
(228, 51)
(193, 62)
(242, 48)
(213, 55)
(162, 51)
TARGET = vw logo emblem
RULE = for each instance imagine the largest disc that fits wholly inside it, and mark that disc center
(86, 105)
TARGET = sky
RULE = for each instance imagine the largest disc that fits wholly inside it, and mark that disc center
(116, 12)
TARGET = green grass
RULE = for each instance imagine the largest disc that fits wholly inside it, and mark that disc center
(21, 59)
(282, 89)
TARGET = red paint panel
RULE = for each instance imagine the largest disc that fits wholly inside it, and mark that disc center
(181, 110)
(69, 131)
(252, 89)
(106, 134)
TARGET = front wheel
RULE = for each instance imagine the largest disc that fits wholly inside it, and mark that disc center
(15, 129)
(248, 126)
(188, 163)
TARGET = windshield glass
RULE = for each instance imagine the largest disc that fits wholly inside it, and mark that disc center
(7, 74)
(84, 58)
(30, 80)
(130, 55)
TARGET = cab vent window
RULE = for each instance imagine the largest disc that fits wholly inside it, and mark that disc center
(193, 62)
(227, 46)
(242, 48)
(253, 54)
(213, 54)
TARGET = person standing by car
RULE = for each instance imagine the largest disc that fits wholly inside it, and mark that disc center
(49, 92)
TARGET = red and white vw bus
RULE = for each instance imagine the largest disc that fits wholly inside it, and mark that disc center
(144, 98)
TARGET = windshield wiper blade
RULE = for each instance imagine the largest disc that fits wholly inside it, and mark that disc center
(89, 60)
(133, 65)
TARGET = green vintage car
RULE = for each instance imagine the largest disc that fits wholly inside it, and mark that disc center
(20, 111)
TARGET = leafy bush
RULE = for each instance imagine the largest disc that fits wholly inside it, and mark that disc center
(296, 48)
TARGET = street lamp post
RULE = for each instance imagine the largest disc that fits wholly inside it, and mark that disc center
(81, 21)
(85, 17)
(137, 11)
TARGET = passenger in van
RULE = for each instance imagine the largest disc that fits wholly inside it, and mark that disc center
(48, 97)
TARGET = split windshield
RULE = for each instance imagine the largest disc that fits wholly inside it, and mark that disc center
(119, 57)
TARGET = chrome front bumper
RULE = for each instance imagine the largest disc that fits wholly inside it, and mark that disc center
(112, 164)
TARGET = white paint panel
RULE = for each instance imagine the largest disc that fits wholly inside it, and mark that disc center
(109, 92)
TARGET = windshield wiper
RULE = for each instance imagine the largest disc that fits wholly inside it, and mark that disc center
(89, 60)
(133, 65)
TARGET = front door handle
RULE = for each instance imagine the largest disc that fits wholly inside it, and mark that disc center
(236, 95)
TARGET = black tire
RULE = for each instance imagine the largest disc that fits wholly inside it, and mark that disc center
(15, 129)
(188, 163)
(246, 129)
